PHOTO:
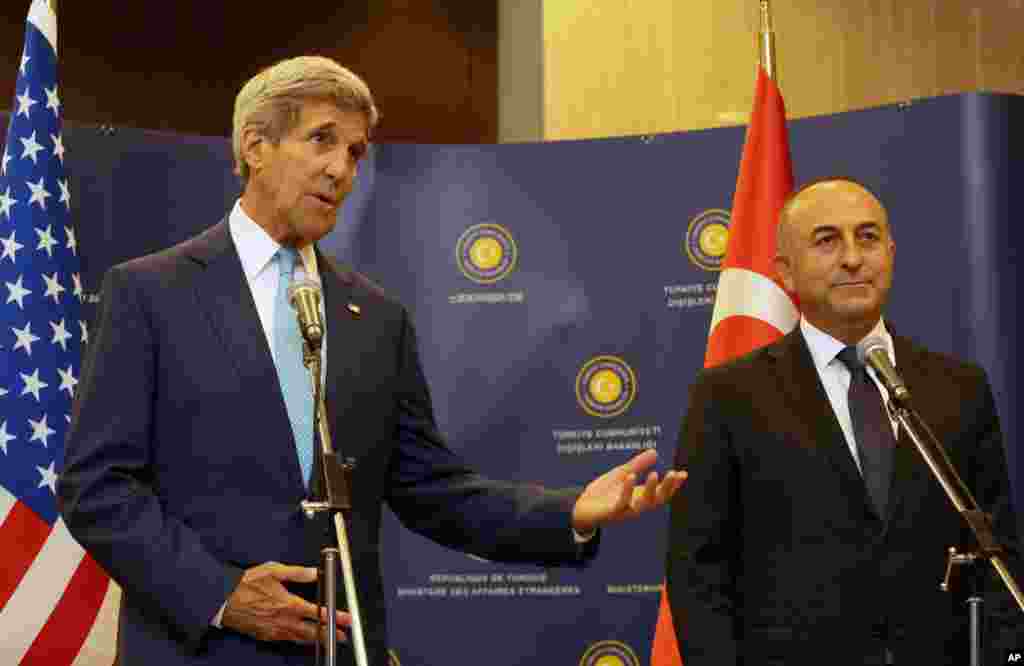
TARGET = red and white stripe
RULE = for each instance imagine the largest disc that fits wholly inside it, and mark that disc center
(51, 594)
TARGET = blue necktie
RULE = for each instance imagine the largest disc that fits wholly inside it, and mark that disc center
(871, 428)
(296, 385)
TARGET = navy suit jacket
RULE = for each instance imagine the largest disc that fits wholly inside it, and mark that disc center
(776, 554)
(180, 468)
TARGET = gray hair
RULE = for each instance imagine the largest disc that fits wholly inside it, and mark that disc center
(272, 100)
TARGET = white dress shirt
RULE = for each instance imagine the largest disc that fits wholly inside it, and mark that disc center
(835, 376)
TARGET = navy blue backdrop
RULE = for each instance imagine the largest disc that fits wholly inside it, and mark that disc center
(561, 318)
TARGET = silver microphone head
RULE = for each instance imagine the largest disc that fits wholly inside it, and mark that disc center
(304, 296)
(868, 345)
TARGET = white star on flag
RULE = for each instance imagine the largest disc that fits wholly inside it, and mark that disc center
(11, 248)
(31, 148)
(85, 332)
(5, 437)
(58, 146)
(49, 478)
(65, 194)
(6, 202)
(25, 103)
(70, 231)
(40, 431)
(77, 279)
(16, 292)
(52, 100)
(24, 61)
(46, 240)
(25, 338)
(39, 192)
(60, 336)
(53, 287)
(7, 158)
(33, 384)
(67, 381)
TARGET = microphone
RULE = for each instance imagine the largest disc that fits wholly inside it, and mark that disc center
(872, 352)
(304, 296)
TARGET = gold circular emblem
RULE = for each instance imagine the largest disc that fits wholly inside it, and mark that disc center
(707, 238)
(605, 386)
(609, 653)
(486, 253)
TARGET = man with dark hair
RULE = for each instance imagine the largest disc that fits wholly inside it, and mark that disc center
(811, 531)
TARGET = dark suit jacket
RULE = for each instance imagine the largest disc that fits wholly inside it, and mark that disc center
(776, 554)
(181, 471)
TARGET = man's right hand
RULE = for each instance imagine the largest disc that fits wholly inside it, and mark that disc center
(261, 607)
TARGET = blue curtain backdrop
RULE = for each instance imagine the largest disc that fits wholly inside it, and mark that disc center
(562, 307)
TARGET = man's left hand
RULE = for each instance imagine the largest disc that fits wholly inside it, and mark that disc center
(615, 495)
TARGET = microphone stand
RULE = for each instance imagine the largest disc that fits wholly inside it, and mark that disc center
(332, 496)
(979, 521)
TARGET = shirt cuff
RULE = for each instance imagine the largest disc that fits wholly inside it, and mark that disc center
(582, 538)
(216, 621)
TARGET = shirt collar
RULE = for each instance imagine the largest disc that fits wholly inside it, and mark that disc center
(824, 347)
(255, 247)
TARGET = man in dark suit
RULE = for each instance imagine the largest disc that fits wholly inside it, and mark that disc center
(803, 535)
(191, 444)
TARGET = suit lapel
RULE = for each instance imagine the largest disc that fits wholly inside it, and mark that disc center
(223, 295)
(799, 380)
(341, 320)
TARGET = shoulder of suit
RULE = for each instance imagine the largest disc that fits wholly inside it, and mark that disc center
(357, 281)
(752, 361)
(933, 362)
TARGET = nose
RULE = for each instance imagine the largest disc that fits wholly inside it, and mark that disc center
(852, 256)
(341, 167)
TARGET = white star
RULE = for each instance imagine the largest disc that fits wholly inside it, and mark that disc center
(39, 193)
(25, 338)
(7, 158)
(11, 248)
(65, 193)
(53, 287)
(3, 392)
(32, 384)
(24, 61)
(85, 332)
(25, 102)
(67, 381)
(72, 241)
(6, 201)
(46, 240)
(52, 100)
(49, 478)
(31, 148)
(41, 431)
(5, 437)
(77, 279)
(58, 146)
(16, 292)
(60, 335)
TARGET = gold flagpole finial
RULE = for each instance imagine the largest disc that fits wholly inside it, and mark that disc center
(53, 6)
(766, 41)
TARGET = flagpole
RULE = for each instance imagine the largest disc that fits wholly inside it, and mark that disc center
(53, 5)
(765, 41)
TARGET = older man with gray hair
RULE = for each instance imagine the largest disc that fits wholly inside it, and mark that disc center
(192, 440)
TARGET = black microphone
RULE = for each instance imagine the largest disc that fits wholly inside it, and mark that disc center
(873, 352)
(304, 295)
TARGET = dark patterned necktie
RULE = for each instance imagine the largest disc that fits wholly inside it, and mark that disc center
(872, 430)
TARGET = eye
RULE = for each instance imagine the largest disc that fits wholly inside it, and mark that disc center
(825, 241)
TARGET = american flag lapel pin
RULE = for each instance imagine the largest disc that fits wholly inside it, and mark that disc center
(356, 311)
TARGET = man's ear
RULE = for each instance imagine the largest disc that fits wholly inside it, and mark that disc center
(253, 145)
(785, 271)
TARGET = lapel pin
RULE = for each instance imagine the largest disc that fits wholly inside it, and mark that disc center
(356, 311)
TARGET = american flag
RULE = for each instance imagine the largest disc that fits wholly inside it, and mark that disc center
(55, 601)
